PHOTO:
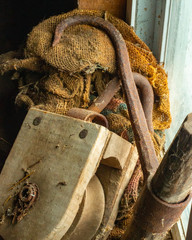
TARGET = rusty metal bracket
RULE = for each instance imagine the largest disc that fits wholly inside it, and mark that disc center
(92, 114)
(155, 215)
(158, 216)
(144, 143)
(87, 115)
(146, 98)
(103, 100)
(26, 199)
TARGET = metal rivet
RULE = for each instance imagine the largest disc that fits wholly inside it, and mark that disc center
(36, 121)
(83, 133)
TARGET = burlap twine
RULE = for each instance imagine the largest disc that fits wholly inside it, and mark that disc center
(76, 71)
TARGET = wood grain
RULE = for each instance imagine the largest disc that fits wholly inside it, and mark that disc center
(173, 179)
(117, 8)
(116, 153)
(114, 182)
(53, 141)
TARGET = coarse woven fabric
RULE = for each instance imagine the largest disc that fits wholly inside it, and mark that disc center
(77, 70)
(85, 49)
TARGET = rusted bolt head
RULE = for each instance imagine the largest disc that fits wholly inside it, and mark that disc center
(36, 121)
(28, 192)
(83, 133)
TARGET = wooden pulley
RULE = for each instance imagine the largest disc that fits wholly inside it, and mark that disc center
(63, 179)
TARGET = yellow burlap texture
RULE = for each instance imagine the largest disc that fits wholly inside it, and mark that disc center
(86, 56)
(85, 48)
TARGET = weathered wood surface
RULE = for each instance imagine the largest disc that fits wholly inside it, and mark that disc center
(90, 214)
(116, 152)
(63, 154)
(114, 182)
(173, 180)
(117, 8)
(129, 11)
(114, 177)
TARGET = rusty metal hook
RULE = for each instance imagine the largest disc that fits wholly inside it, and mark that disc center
(103, 100)
(144, 143)
(146, 98)
(93, 112)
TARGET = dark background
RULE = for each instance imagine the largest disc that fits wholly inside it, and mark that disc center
(18, 17)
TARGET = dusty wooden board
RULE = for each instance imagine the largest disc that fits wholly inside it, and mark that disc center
(114, 182)
(117, 8)
(90, 214)
(61, 156)
(116, 152)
